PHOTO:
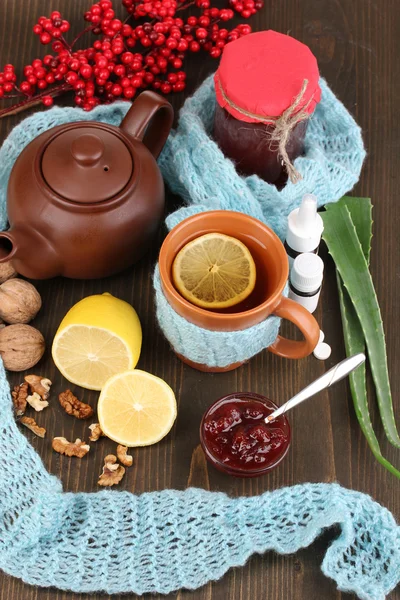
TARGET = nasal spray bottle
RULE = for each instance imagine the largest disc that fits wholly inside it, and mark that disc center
(305, 228)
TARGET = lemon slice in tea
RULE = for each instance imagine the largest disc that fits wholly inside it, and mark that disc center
(214, 271)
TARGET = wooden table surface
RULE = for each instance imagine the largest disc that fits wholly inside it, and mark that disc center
(357, 44)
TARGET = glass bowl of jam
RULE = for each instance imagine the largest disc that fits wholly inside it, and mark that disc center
(236, 439)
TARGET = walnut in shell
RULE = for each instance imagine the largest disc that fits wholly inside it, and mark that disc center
(21, 347)
(123, 456)
(33, 426)
(19, 301)
(112, 472)
(19, 396)
(36, 402)
(95, 432)
(77, 448)
(73, 406)
(6, 272)
(39, 384)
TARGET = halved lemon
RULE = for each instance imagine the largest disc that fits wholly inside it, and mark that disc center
(136, 408)
(98, 337)
(214, 271)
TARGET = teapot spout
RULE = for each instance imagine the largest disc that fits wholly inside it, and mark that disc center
(30, 254)
(8, 246)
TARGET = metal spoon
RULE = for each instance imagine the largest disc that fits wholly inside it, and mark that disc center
(337, 373)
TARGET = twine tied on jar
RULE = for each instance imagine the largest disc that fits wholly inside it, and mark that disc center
(284, 125)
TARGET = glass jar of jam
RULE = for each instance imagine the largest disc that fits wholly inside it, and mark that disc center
(266, 88)
(236, 439)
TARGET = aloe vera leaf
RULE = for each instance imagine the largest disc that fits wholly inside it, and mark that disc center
(354, 343)
(361, 214)
(344, 246)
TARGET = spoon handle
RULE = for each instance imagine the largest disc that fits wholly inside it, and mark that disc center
(337, 373)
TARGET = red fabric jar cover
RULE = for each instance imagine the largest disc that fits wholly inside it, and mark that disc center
(262, 74)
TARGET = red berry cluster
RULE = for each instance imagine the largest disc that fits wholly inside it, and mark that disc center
(246, 8)
(146, 52)
(53, 28)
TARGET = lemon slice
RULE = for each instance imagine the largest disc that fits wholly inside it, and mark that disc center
(98, 337)
(214, 271)
(136, 408)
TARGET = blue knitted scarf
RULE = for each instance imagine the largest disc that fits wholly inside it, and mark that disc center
(162, 541)
(194, 167)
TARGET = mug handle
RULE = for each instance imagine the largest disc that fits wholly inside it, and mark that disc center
(297, 314)
(149, 120)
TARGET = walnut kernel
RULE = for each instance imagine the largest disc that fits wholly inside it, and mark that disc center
(33, 426)
(36, 402)
(39, 384)
(19, 396)
(123, 456)
(96, 432)
(73, 406)
(112, 472)
(77, 448)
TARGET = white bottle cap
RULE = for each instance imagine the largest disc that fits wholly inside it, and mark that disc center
(305, 226)
(307, 272)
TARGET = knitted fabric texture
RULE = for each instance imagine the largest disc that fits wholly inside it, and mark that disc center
(212, 348)
(196, 169)
(162, 541)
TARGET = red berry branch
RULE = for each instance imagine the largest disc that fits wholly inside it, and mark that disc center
(146, 50)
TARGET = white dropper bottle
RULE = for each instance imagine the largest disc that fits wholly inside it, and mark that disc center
(306, 280)
(305, 228)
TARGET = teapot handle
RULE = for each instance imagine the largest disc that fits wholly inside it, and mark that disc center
(150, 120)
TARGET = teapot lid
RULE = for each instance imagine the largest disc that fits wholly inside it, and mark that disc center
(87, 164)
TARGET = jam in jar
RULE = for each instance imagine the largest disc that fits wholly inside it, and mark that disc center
(266, 88)
(236, 439)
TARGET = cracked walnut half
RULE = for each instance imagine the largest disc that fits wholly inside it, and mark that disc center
(77, 448)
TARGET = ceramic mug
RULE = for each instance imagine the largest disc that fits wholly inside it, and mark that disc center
(267, 299)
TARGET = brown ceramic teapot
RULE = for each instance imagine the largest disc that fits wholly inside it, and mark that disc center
(85, 199)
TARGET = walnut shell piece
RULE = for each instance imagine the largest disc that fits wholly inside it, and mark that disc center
(123, 456)
(33, 426)
(19, 301)
(96, 432)
(73, 406)
(112, 472)
(36, 402)
(21, 347)
(39, 384)
(7, 271)
(63, 446)
(19, 396)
